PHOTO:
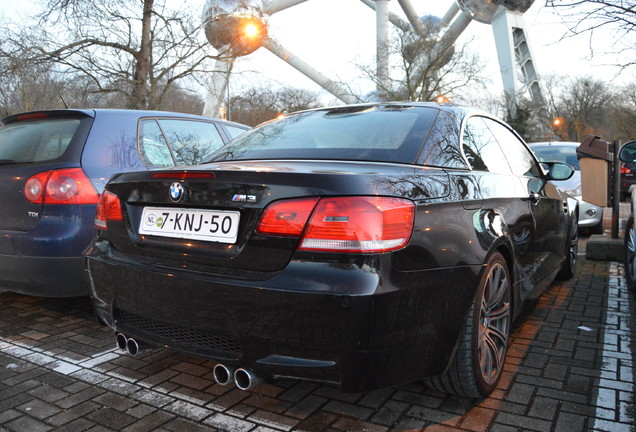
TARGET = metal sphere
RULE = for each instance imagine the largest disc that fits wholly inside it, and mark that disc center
(234, 26)
(484, 10)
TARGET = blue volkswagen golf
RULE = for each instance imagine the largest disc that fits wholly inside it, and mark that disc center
(53, 167)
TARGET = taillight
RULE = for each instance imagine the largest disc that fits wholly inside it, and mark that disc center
(359, 224)
(625, 170)
(342, 224)
(286, 218)
(108, 209)
(63, 186)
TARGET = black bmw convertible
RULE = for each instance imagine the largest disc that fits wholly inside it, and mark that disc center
(364, 246)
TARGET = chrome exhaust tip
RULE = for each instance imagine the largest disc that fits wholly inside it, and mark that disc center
(134, 347)
(245, 379)
(121, 341)
(223, 374)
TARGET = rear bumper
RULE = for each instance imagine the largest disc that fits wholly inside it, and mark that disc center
(589, 214)
(399, 327)
(47, 260)
(43, 276)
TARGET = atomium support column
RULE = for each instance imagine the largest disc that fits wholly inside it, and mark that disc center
(218, 85)
(518, 71)
(382, 46)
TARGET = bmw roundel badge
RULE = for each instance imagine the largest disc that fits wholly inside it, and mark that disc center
(176, 191)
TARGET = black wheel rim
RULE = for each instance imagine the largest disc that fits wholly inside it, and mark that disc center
(494, 324)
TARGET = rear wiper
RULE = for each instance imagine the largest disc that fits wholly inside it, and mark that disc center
(7, 161)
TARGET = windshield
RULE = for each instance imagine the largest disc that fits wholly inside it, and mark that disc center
(387, 133)
(557, 153)
(36, 141)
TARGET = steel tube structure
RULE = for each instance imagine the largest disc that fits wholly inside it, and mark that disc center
(393, 18)
(331, 86)
(217, 88)
(413, 18)
(274, 6)
(382, 45)
(449, 38)
(450, 14)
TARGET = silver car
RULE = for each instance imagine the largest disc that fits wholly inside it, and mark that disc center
(590, 216)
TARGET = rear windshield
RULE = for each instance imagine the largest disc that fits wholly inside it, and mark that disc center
(557, 153)
(36, 140)
(379, 133)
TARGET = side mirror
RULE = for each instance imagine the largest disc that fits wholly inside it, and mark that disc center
(628, 152)
(559, 170)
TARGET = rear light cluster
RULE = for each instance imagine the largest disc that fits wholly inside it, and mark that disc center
(108, 209)
(342, 224)
(63, 186)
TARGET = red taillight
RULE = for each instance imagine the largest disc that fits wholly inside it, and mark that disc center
(342, 224)
(286, 218)
(63, 186)
(34, 187)
(359, 224)
(625, 170)
(108, 209)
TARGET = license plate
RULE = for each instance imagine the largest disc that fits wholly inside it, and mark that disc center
(196, 224)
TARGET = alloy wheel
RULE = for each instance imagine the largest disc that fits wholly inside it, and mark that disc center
(494, 324)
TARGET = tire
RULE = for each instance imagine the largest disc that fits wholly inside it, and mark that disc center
(568, 267)
(476, 366)
(630, 254)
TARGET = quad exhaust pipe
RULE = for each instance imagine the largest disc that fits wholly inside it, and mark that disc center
(130, 345)
(223, 375)
(244, 379)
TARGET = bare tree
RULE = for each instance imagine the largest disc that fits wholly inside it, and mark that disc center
(259, 104)
(588, 16)
(27, 87)
(622, 114)
(422, 71)
(584, 108)
(135, 49)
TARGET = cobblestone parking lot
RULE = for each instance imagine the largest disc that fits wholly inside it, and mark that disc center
(570, 368)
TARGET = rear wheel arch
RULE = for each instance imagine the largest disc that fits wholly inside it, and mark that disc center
(478, 361)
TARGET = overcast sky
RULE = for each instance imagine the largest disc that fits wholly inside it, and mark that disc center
(335, 36)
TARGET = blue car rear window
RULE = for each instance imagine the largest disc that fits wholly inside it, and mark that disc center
(36, 140)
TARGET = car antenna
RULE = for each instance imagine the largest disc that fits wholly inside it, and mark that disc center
(63, 101)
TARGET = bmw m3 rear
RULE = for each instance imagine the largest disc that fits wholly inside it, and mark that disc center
(346, 245)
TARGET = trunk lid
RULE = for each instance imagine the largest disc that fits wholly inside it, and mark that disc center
(246, 188)
(32, 143)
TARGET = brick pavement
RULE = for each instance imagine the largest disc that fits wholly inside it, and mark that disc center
(570, 368)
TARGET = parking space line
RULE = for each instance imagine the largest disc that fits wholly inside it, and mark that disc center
(88, 371)
(616, 351)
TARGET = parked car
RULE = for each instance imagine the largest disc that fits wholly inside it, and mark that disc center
(590, 215)
(365, 246)
(628, 180)
(53, 166)
(628, 156)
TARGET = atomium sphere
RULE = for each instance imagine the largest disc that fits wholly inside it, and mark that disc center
(516, 5)
(484, 10)
(236, 26)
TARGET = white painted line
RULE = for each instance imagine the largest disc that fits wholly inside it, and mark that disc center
(88, 371)
(616, 347)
